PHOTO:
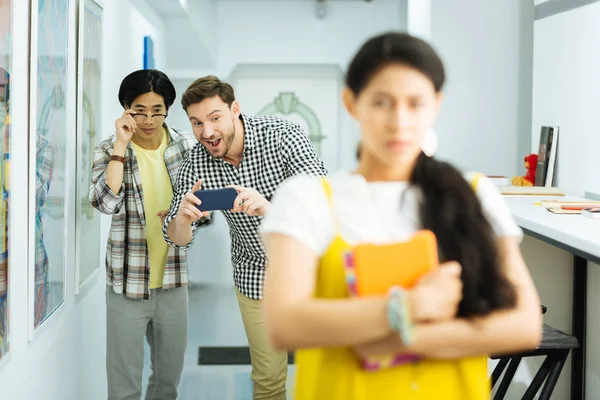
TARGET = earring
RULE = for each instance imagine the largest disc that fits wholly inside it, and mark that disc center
(430, 143)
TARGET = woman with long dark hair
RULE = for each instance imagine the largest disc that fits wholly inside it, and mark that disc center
(480, 300)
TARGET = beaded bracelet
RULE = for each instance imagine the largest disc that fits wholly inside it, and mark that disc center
(399, 315)
(397, 312)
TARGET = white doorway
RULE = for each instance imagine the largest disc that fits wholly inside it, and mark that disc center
(308, 95)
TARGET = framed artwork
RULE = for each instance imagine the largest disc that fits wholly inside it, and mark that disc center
(5, 71)
(48, 138)
(89, 100)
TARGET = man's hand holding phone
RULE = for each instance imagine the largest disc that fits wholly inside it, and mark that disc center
(188, 212)
(250, 201)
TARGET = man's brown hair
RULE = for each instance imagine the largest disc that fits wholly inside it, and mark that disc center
(207, 87)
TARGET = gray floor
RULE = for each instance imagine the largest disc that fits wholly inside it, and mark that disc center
(214, 321)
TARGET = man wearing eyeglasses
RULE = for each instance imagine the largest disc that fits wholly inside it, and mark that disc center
(146, 294)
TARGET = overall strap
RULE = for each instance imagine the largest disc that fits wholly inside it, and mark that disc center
(329, 195)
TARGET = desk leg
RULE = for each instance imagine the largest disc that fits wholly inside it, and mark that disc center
(579, 326)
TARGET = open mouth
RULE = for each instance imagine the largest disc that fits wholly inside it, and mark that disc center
(213, 144)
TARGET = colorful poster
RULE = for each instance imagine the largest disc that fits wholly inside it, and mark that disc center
(50, 140)
(5, 71)
(89, 91)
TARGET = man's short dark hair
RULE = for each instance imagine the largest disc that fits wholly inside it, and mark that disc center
(205, 88)
(143, 81)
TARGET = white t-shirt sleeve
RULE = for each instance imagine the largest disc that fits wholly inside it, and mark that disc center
(496, 210)
(300, 209)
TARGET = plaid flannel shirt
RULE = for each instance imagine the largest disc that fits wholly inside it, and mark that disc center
(126, 250)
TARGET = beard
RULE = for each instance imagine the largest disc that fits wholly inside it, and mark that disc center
(227, 142)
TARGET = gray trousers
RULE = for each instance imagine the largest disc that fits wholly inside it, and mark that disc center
(162, 320)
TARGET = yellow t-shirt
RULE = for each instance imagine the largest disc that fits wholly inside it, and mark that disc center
(158, 193)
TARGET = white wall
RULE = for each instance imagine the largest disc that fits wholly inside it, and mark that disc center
(287, 33)
(204, 17)
(419, 18)
(480, 44)
(66, 358)
(276, 32)
(566, 92)
(124, 29)
(486, 47)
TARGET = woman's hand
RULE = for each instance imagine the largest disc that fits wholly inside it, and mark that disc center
(436, 296)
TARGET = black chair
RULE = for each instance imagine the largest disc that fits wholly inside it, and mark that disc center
(555, 346)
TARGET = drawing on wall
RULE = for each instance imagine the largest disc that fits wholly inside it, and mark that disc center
(288, 104)
(5, 70)
(49, 125)
(88, 125)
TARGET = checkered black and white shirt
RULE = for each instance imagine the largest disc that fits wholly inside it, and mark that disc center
(274, 150)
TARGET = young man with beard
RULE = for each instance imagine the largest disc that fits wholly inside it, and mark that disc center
(253, 154)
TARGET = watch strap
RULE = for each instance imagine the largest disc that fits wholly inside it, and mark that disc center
(117, 158)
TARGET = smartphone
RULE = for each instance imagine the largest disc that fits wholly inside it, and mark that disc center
(593, 213)
(216, 199)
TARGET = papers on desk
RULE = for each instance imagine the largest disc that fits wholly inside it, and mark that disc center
(531, 191)
(568, 207)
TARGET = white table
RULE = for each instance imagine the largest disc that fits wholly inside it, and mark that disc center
(577, 235)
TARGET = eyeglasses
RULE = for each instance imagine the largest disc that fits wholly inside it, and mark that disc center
(141, 117)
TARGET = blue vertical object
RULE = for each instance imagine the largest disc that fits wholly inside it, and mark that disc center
(148, 53)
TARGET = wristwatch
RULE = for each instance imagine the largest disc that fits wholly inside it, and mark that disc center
(399, 316)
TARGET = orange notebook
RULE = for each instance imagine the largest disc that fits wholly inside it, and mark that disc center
(372, 269)
(376, 268)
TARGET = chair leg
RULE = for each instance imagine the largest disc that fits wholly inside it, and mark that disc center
(539, 378)
(553, 376)
(498, 369)
(508, 376)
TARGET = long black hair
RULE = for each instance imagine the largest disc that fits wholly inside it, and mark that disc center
(450, 207)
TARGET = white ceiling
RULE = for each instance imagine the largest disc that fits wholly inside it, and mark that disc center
(168, 8)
